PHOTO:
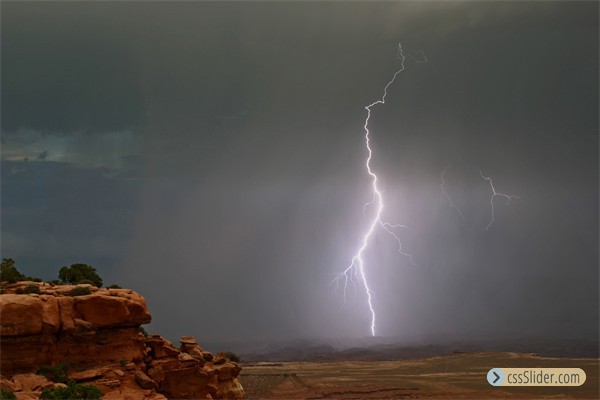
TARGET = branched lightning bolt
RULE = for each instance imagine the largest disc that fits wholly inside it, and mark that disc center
(506, 197)
(357, 266)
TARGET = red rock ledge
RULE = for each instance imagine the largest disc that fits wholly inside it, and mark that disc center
(98, 336)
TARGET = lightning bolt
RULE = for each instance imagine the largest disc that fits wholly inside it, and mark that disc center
(495, 194)
(357, 266)
(507, 197)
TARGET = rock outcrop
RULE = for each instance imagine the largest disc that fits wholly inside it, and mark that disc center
(49, 327)
(98, 335)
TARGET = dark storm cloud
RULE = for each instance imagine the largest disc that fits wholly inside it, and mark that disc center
(215, 151)
(65, 70)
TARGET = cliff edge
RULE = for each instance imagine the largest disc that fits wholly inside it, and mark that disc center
(96, 332)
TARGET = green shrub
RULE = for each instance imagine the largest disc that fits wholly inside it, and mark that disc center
(79, 272)
(28, 289)
(231, 356)
(57, 373)
(10, 274)
(80, 291)
(122, 363)
(31, 288)
(8, 271)
(73, 391)
(7, 394)
(143, 331)
(115, 287)
(55, 282)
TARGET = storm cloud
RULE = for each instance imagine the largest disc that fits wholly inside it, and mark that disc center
(211, 156)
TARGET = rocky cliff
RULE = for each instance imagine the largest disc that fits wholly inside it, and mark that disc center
(96, 332)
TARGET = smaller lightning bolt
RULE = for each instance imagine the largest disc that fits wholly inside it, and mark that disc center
(495, 194)
(415, 59)
(451, 203)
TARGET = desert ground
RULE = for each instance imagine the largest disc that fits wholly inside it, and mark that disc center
(457, 376)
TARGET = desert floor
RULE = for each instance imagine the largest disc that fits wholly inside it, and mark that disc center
(459, 376)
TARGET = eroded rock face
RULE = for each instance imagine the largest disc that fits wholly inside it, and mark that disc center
(231, 389)
(28, 353)
(50, 327)
(106, 311)
(54, 311)
(98, 336)
(13, 308)
(160, 348)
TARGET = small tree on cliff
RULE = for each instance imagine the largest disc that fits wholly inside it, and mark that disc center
(79, 272)
(8, 271)
(10, 274)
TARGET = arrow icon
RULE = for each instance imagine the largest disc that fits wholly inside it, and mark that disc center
(495, 377)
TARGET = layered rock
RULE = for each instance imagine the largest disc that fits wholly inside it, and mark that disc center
(97, 334)
(50, 326)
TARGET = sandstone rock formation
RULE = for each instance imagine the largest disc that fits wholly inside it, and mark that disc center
(51, 327)
(98, 336)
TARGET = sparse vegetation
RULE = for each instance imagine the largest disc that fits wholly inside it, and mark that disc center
(143, 331)
(9, 273)
(73, 391)
(31, 288)
(230, 355)
(7, 395)
(80, 272)
(80, 291)
(57, 373)
(113, 286)
(122, 363)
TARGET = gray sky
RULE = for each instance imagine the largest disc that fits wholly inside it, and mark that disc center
(211, 156)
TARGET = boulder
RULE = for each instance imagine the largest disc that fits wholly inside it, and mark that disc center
(7, 384)
(227, 371)
(231, 389)
(21, 315)
(89, 374)
(220, 359)
(119, 372)
(188, 340)
(104, 311)
(190, 346)
(32, 382)
(161, 348)
(145, 381)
